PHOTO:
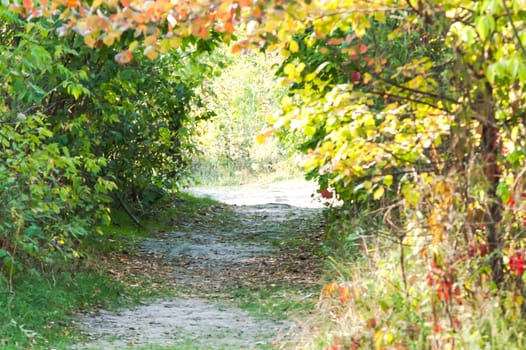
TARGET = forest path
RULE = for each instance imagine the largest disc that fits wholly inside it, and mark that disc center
(261, 241)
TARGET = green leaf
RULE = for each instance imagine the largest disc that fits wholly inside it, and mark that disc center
(33, 231)
(4, 253)
(503, 191)
(309, 130)
(484, 25)
(44, 132)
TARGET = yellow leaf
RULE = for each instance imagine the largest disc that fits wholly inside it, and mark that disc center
(395, 34)
(309, 130)
(89, 41)
(310, 76)
(109, 39)
(378, 193)
(378, 340)
(151, 53)
(388, 338)
(290, 70)
(388, 180)
(133, 45)
(150, 40)
(380, 16)
(294, 47)
(260, 139)
(164, 45)
(271, 25)
(175, 42)
(411, 195)
(367, 78)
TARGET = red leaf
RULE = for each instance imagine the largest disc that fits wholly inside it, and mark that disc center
(356, 77)
(325, 193)
(517, 263)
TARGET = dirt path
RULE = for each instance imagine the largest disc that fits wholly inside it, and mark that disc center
(262, 239)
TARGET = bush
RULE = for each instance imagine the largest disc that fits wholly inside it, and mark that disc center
(78, 129)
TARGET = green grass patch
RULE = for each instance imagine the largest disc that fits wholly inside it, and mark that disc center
(278, 302)
(40, 312)
(185, 205)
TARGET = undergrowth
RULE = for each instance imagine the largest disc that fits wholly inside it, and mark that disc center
(381, 294)
(41, 311)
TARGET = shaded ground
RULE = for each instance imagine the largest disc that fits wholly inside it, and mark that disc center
(262, 239)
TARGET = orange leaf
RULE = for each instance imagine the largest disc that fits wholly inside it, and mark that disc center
(335, 41)
(183, 15)
(151, 52)
(229, 27)
(236, 48)
(363, 49)
(203, 33)
(125, 3)
(28, 4)
(72, 3)
(330, 288)
(345, 293)
(244, 3)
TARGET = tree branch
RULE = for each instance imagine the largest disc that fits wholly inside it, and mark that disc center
(515, 31)
(404, 98)
(362, 10)
(420, 92)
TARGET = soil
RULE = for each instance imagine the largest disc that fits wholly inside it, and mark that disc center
(259, 237)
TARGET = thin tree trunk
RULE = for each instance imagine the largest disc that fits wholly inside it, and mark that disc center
(490, 148)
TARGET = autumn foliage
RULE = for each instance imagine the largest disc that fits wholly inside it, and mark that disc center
(411, 112)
